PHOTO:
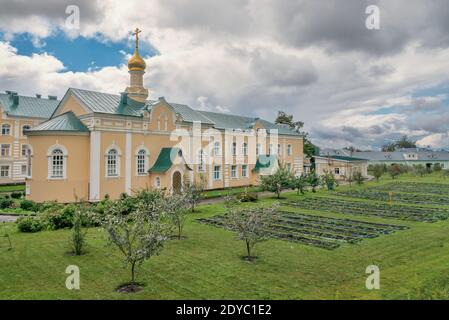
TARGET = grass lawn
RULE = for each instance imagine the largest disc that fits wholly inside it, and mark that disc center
(229, 191)
(12, 188)
(414, 263)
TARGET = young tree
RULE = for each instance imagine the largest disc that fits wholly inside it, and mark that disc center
(194, 191)
(420, 170)
(437, 167)
(313, 180)
(176, 207)
(138, 235)
(378, 170)
(78, 236)
(251, 224)
(278, 181)
(299, 183)
(328, 180)
(394, 170)
(6, 235)
(358, 177)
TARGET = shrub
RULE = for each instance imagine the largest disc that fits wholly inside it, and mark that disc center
(78, 236)
(328, 180)
(394, 170)
(60, 217)
(30, 224)
(6, 202)
(278, 181)
(28, 205)
(246, 196)
(358, 177)
(437, 167)
(16, 195)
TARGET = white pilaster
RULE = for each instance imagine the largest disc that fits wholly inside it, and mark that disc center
(94, 189)
(128, 157)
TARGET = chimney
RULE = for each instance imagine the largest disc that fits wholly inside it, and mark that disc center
(38, 95)
(52, 98)
(162, 99)
(124, 98)
(15, 100)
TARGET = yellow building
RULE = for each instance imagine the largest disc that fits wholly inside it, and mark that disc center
(18, 114)
(98, 144)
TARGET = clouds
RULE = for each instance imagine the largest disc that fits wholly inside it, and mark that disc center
(314, 59)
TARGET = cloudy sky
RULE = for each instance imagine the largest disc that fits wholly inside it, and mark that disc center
(312, 58)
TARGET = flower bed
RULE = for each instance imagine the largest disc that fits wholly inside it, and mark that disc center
(379, 209)
(318, 231)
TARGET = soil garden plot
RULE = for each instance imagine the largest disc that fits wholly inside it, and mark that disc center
(418, 198)
(414, 187)
(323, 232)
(378, 209)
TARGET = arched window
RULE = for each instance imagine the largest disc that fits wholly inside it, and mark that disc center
(57, 170)
(25, 128)
(141, 162)
(245, 149)
(112, 163)
(6, 129)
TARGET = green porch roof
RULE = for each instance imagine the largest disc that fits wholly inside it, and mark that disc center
(264, 161)
(66, 122)
(31, 107)
(165, 160)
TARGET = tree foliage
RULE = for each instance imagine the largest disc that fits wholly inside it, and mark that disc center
(313, 180)
(176, 207)
(403, 142)
(278, 181)
(378, 170)
(299, 183)
(194, 190)
(327, 179)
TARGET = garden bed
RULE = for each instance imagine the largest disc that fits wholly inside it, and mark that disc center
(318, 231)
(377, 209)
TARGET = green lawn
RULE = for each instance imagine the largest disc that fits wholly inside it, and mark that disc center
(229, 191)
(12, 188)
(414, 263)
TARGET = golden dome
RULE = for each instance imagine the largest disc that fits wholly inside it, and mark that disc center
(136, 63)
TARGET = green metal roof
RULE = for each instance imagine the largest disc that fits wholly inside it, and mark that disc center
(33, 107)
(343, 158)
(264, 161)
(100, 102)
(165, 160)
(66, 122)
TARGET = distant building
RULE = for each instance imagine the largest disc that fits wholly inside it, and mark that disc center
(406, 156)
(342, 167)
(18, 114)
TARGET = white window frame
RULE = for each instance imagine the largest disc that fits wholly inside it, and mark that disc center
(217, 149)
(245, 149)
(24, 174)
(50, 156)
(337, 171)
(28, 147)
(289, 149)
(9, 150)
(270, 149)
(217, 178)
(117, 164)
(234, 172)
(1, 171)
(23, 128)
(244, 171)
(4, 125)
(258, 149)
(146, 166)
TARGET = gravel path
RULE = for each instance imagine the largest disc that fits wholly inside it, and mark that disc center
(6, 218)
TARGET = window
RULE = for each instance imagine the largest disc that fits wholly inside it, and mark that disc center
(216, 148)
(6, 129)
(245, 171)
(217, 172)
(245, 149)
(57, 164)
(257, 149)
(141, 162)
(158, 182)
(112, 163)
(289, 166)
(25, 128)
(234, 172)
(279, 149)
(289, 150)
(23, 170)
(5, 149)
(234, 149)
(4, 171)
(201, 160)
(25, 149)
(270, 149)
(337, 170)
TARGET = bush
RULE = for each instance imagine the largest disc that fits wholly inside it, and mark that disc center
(16, 195)
(247, 196)
(30, 224)
(6, 202)
(28, 205)
(59, 217)
(358, 177)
